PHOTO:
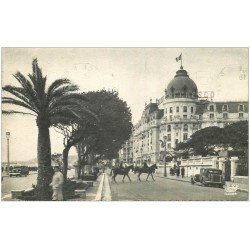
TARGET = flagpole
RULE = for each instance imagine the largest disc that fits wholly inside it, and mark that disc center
(181, 61)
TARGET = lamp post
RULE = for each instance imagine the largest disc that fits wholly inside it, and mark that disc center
(8, 151)
(141, 156)
(163, 144)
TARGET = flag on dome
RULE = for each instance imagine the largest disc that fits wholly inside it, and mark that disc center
(178, 58)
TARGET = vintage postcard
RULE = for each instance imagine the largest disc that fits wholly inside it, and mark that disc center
(125, 124)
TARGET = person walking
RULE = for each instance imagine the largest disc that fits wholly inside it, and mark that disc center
(182, 172)
(57, 185)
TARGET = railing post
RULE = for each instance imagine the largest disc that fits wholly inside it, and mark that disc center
(234, 165)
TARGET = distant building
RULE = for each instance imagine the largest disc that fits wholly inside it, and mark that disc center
(176, 116)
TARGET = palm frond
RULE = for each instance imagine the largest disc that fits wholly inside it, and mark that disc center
(10, 112)
(73, 113)
(21, 94)
(27, 86)
(9, 100)
(37, 77)
(23, 81)
(81, 113)
(72, 98)
(56, 84)
(61, 91)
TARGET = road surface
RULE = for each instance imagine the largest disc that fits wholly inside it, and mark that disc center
(163, 189)
(17, 183)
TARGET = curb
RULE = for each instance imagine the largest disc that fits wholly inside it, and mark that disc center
(103, 192)
(242, 190)
(239, 189)
(172, 178)
(100, 190)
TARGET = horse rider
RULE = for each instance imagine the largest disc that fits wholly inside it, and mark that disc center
(145, 165)
(121, 165)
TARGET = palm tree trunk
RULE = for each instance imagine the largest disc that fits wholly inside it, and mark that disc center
(45, 171)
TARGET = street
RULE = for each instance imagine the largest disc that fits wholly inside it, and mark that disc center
(17, 183)
(161, 189)
(167, 190)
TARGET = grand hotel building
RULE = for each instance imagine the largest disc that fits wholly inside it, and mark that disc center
(175, 117)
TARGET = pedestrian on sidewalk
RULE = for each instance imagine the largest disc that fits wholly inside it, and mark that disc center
(57, 185)
(182, 172)
(178, 170)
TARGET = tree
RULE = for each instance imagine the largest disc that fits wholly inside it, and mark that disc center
(73, 133)
(237, 138)
(58, 103)
(113, 129)
(204, 141)
(211, 139)
(236, 135)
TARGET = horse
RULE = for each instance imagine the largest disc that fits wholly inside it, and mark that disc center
(122, 171)
(146, 170)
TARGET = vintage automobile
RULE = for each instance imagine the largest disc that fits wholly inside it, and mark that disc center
(209, 176)
(19, 171)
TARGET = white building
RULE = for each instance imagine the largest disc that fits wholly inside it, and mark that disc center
(176, 116)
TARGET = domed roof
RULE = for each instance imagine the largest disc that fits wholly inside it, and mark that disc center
(181, 86)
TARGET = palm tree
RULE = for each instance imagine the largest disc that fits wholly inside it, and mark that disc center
(58, 103)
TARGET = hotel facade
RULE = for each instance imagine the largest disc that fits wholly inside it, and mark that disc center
(174, 118)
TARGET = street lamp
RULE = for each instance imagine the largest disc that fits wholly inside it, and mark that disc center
(141, 156)
(163, 144)
(8, 151)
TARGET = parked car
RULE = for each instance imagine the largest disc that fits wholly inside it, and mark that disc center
(33, 168)
(209, 176)
(19, 171)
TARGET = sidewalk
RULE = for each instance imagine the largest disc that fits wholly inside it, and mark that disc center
(91, 191)
(242, 187)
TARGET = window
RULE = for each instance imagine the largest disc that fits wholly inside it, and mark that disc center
(185, 136)
(170, 110)
(169, 137)
(192, 109)
(225, 115)
(185, 127)
(177, 109)
(211, 116)
(169, 145)
(241, 107)
(170, 118)
(211, 108)
(225, 107)
(169, 128)
(184, 109)
(240, 115)
(185, 117)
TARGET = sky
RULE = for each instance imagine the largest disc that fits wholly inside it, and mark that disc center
(138, 74)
